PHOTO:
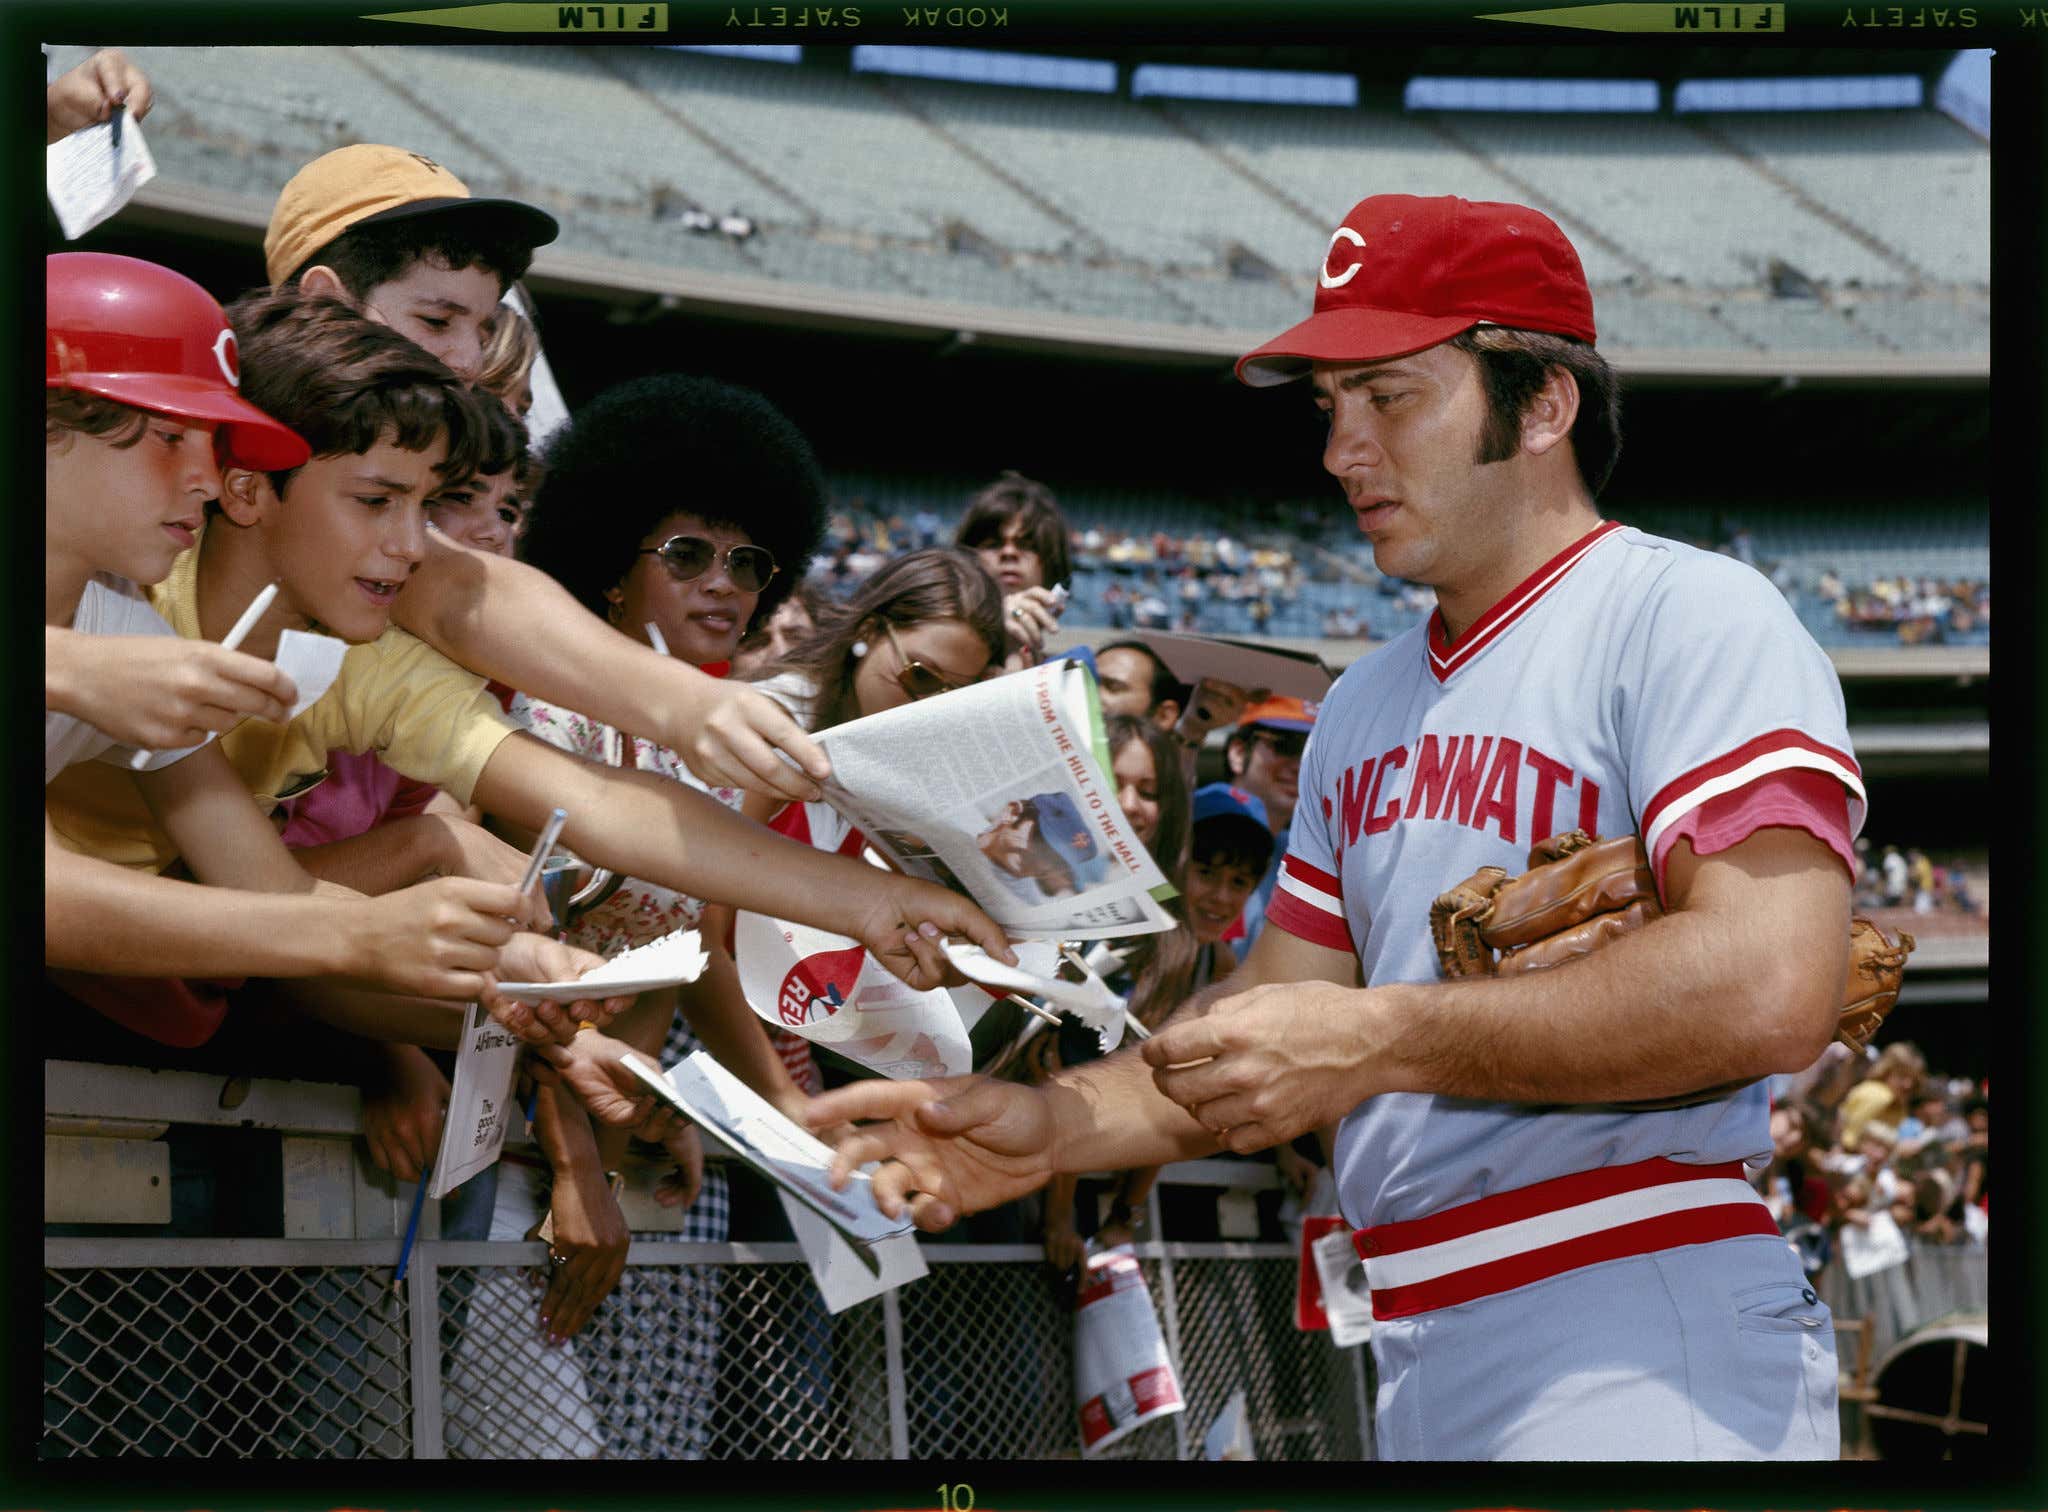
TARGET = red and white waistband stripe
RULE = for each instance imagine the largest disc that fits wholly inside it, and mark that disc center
(1532, 1233)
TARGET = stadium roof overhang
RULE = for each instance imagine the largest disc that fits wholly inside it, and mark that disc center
(647, 290)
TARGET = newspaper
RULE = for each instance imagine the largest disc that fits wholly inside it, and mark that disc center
(1001, 791)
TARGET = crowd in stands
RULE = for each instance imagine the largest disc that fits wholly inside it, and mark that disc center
(1918, 611)
(1891, 877)
(1877, 1140)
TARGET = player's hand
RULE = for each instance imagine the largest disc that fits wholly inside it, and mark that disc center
(403, 1106)
(680, 1187)
(436, 939)
(462, 849)
(1274, 1062)
(904, 921)
(529, 957)
(948, 1147)
(88, 94)
(591, 1240)
(159, 692)
(728, 734)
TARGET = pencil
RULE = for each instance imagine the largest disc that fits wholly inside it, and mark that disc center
(234, 638)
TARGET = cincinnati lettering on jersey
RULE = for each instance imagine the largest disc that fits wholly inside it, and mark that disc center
(1483, 781)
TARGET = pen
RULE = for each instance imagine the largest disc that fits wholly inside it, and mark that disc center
(654, 638)
(541, 847)
(412, 1225)
(234, 638)
(114, 124)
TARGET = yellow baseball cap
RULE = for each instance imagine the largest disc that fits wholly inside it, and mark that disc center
(352, 186)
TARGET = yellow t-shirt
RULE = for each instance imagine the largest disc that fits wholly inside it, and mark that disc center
(1868, 1099)
(397, 696)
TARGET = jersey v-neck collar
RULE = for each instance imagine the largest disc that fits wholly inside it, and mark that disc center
(1446, 660)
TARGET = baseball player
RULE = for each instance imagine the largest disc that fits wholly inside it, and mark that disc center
(1552, 1276)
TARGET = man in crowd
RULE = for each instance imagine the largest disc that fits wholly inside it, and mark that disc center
(1264, 758)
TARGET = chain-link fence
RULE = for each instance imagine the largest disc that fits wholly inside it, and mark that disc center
(307, 1349)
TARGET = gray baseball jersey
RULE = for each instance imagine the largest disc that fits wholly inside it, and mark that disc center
(1625, 683)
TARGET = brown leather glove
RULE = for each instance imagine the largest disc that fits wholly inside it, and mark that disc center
(1579, 893)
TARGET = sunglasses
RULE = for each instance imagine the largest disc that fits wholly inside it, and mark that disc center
(1284, 743)
(918, 680)
(688, 557)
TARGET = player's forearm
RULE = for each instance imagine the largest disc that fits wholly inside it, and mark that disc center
(1109, 1116)
(516, 624)
(1677, 1006)
(112, 919)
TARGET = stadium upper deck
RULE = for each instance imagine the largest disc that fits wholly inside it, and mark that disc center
(1710, 239)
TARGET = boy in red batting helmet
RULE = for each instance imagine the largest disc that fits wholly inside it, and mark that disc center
(142, 384)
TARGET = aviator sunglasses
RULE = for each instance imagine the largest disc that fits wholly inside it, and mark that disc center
(918, 680)
(689, 556)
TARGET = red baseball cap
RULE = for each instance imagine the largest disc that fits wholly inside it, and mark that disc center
(1403, 273)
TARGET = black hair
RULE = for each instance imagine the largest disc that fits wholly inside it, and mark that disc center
(375, 252)
(1231, 837)
(1037, 513)
(1165, 685)
(675, 444)
(345, 382)
(1514, 364)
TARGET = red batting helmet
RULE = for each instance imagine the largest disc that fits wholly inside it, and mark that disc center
(142, 335)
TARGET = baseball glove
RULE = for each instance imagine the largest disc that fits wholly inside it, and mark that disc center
(1579, 893)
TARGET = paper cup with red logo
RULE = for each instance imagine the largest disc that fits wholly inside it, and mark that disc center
(827, 989)
(1123, 1377)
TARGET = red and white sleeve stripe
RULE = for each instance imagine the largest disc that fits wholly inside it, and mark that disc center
(1778, 751)
(1309, 903)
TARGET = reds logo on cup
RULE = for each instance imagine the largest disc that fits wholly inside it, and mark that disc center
(814, 989)
(229, 356)
(1343, 233)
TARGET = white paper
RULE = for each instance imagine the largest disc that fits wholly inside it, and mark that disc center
(1123, 1377)
(1877, 1246)
(1230, 1436)
(791, 975)
(1347, 1298)
(1090, 1001)
(998, 791)
(793, 1158)
(549, 413)
(842, 1280)
(312, 662)
(667, 962)
(479, 1102)
(89, 175)
(1976, 1222)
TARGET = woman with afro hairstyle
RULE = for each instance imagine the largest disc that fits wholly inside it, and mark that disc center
(686, 508)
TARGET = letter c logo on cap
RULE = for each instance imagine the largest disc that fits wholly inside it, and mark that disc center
(229, 356)
(1344, 233)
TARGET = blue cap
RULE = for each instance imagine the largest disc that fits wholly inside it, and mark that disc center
(1220, 798)
(1068, 837)
(1226, 809)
